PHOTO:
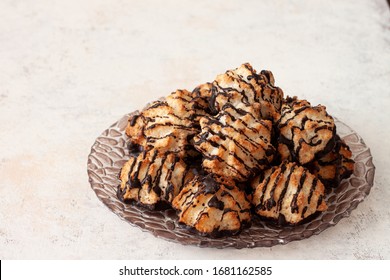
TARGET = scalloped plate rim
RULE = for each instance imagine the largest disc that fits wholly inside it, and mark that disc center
(224, 242)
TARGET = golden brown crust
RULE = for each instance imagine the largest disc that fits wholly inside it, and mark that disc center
(347, 163)
(232, 126)
(164, 125)
(242, 87)
(284, 152)
(235, 144)
(334, 166)
(190, 105)
(308, 131)
(290, 191)
(152, 177)
(211, 204)
(201, 97)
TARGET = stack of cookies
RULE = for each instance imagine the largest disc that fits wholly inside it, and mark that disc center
(232, 149)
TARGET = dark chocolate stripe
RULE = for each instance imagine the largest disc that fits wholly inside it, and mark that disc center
(285, 187)
(133, 120)
(270, 203)
(157, 104)
(168, 177)
(175, 126)
(320, 199)
(265, 184)
(294, 115)
(294, 207)
(243, 149)
(157, 180)
(312, 189)
(188, 195)
(303, 212)
(148, 178)
(240, 79)
(206, 154)
(213, 157)
(151, 139)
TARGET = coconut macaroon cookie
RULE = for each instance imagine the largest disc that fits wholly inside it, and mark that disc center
(334, 166)
(347, 163)
(243, 87)
(308, 131)
(330, 168)
(152, 177)
(190, 105)
(289, 193)
(213, 206)
(230, 148)
(235, 144)
(201, 96)
(168, 125)
(159, 127)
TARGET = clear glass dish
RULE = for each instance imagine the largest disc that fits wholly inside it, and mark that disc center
(109, 153)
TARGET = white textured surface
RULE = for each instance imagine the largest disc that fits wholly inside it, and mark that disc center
(69, 69)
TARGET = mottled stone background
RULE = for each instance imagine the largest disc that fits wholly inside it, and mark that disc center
(69, 69)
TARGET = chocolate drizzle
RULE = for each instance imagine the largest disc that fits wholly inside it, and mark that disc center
(152, 172)
(133, 120)
(309, 132)
(243, 87)
(333, 166)
(232, 126)
(211, 204)
(294, 202)
(278, 183)
(198, 150)
(284, 190)
(216, 203)
(168, 125)
(210, 185)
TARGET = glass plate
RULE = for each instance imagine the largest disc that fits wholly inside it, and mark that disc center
(109, 153)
